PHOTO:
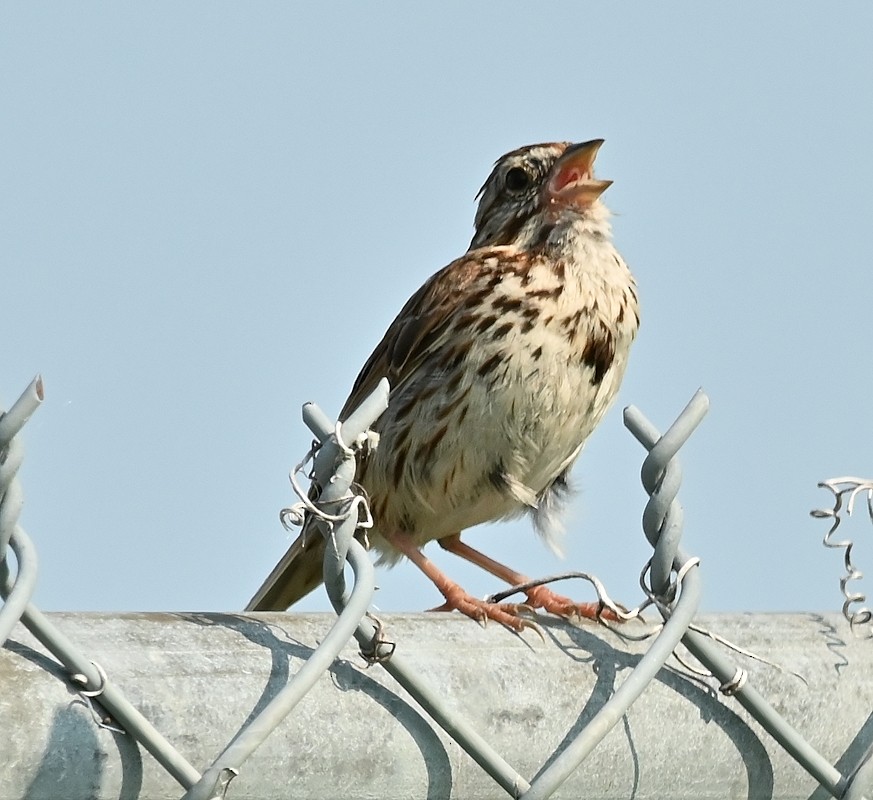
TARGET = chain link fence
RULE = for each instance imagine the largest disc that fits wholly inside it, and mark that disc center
(671, 582)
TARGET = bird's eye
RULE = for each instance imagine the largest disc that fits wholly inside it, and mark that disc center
(517, 179)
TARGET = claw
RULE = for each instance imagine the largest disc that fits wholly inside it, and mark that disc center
(544, 598)
(482, 611)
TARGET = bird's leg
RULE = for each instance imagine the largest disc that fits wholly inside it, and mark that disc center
(457, 598)
(537, 597)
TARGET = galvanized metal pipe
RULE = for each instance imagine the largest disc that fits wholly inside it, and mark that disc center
(296, 689)
(200, 677)
(110, 697)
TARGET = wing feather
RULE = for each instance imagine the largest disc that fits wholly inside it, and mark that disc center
(420, 328)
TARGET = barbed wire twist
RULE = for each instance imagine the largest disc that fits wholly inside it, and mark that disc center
(846, 490)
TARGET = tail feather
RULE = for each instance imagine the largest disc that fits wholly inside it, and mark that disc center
(294, 577)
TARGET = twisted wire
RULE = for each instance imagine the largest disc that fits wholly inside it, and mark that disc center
(352, 502)
(847, 489)
(663, 574)
(661, 477)
(16, 593)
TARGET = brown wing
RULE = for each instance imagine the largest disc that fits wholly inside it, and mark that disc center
(419, 328)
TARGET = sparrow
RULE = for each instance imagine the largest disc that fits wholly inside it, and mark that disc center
(500, 367)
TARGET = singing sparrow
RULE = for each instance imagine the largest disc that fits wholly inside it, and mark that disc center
(500, 367)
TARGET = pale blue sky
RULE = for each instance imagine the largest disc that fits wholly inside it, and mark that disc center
(210, 212)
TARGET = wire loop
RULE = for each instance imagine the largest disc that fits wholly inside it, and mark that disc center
(88, 695)
(848, 488)
(731, 687)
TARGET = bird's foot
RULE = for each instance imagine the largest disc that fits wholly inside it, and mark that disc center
(508, 614)
(541, 597)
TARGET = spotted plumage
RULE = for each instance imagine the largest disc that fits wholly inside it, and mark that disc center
(500, 367)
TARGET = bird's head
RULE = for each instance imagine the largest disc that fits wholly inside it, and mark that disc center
(533, 186)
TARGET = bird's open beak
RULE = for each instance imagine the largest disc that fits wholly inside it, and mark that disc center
(572, 181)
